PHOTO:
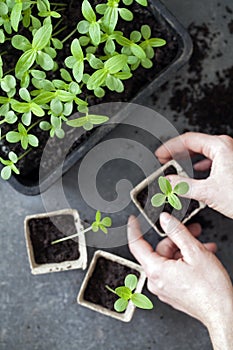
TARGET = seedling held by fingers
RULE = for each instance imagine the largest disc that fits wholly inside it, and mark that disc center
(169, 194)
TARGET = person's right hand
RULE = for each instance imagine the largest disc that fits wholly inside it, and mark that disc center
(185, 274)
(217, 190)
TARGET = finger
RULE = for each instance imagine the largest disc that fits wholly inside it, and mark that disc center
(211, 247)
(198, 189)
(195, 229)
(139, 247)
(203, 165)
(193, 142)
(181, 237)
(168, 249)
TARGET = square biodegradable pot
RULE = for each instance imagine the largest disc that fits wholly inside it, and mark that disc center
(108, 269)
(144, 189)
(42, 229)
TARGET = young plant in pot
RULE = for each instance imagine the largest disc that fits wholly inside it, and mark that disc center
(112, 286)
(58, 59)
(43, 232)
(156, 191)
(100, 223)
(42, 229)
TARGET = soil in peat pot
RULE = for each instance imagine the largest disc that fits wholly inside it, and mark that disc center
(29, 165)
(108, 273)
(144, 198)
(43, 231)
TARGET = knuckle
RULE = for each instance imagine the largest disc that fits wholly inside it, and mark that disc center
(226, 138)
(204, 189)
(226, 142)
(178, 231)
(153, 288)
(197, 250)
(152, 273)
(206, 194)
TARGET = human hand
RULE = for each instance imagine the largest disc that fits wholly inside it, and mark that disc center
(217, 190)
(187, 275)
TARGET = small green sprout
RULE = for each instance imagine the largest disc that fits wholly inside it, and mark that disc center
(9, 166)
(22, 136)
(101, 58)
(125, 294)
(168, 194)
(99, 224)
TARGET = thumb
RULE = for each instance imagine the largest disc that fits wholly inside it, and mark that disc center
(180, 235)
(197, 188)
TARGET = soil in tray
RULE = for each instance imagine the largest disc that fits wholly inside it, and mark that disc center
(43, 231)
(146, 194)
(29, 165)
(109, 273)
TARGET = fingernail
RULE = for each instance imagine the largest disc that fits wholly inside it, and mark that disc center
(130, 219)
(164, 219)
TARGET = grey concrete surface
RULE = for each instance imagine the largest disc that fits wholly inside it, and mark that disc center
(40, 312)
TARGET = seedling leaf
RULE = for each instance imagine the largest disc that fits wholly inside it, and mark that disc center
(131, 281)
(174, 201)
(95, 227)
(158, 199)
(103, 228)
(98, 216)
(141, 301)
(164, 185)
(116, 63)
(123, 292)
(97, 119)
(42, 37)
(6, 172)
(181, 188)
(120, 305)
(106, 221)
(88, 12)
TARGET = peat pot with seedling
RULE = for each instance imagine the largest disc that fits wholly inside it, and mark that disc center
(57, 59)
(42, 229)
(56, 240)
(155, 194)
(112, 286)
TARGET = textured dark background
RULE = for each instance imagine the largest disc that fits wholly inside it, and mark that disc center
(40, 312)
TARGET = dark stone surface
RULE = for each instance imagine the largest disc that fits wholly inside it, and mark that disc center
(40, 312)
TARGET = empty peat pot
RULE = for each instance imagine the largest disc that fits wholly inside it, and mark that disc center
(42, 229)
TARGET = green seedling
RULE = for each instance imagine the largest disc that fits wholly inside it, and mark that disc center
(23, 136)
(100, 223)
(125, 294)
(169, 194)
(9, 166)
(101, 58)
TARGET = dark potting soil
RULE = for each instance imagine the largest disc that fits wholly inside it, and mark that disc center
(144, 198)
(108, 273)
(29, 165)
(43, 231)
(207, 107)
